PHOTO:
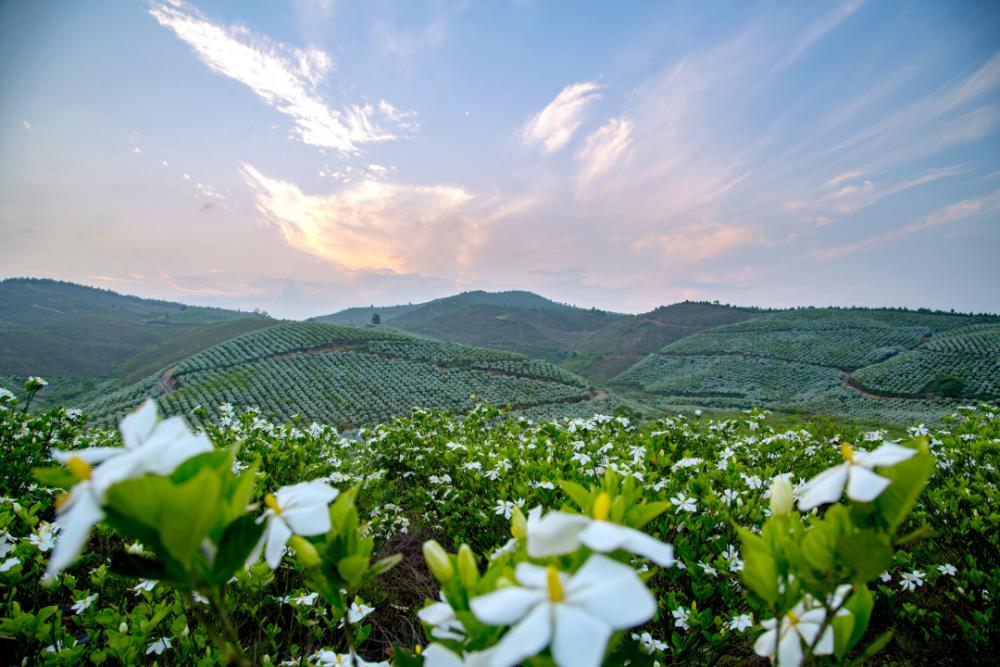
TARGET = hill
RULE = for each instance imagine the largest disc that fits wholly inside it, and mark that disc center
(846, 362)
(79, 336)
(349, 376)
(593, 343)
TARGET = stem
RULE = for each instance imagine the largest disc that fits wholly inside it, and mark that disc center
(830, 615)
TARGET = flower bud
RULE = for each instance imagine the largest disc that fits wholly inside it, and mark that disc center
(123, 628)
(468, 571)
(518, 524)
(781, 496)
(438, 562)
(305, 551)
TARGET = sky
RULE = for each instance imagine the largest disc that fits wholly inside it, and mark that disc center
(310, 155)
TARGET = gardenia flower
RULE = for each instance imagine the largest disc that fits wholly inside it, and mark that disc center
(81, 606)
(442, 618)
(159, 646)
(741, 622)
(560, 533)
(948, 569)
(299, 509)
(10, 563)
(796, 626)
(856, 473)
(576, 614)
(45, 538)
(912, 580)
(437, 655)
(327, 658)
(649, 643)
(681, 617)
(685, 503)
(151, 446)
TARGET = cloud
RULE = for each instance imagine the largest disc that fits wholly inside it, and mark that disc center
(862, 193)
(27, 125)
(965, 209)
(695, 242)
(374, 225)
(554, 126)
(285, 78)
(604, 147)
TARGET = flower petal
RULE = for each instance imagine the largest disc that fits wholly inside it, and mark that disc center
(308, 521)
(580, 639)
(888, 454)
(790, 650)
(603, 536)
(525, 639)
(611, 592)
(278, 533)
(649, 547)
(436, 613)
(76, 522)
(764, 646)
(137, 426)
(437, 655)
(315, 492)
(864, 485)
(92, 455)
(554, 534)
(505, 606)
(533, 576)
(825, 644)
(825, 487)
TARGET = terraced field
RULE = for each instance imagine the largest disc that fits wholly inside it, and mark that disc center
(349, 376)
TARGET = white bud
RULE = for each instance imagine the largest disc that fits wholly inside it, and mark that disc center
(781, 496)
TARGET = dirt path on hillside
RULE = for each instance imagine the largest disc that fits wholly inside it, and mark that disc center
(167, 382)
(848, 382)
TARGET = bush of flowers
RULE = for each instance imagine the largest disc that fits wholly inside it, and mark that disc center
(484, 539)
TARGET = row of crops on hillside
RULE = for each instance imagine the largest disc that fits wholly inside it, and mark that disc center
(981, 339)
(919, 372)
(440, 353)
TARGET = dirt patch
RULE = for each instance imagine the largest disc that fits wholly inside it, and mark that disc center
(849, 383)
(598, 395)
(167, 382)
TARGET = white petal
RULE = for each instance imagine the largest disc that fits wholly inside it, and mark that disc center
(864, 485)
(580, 639)
(308, 520)
(437, 655)
(436, 613)
(92, 455)
(278, 533)
(612, 592)
(505, 606)
(525, 639)
(886, 455)
(825, 645)
(764, 646)
(649, 547)
(603, 536)
(256, 551)
(165, 450)
(137, 426)
(554, 534)
(535, 576)
(826, 487)
(790, 650)
(76, 521)
(305, 494)
(807, 630)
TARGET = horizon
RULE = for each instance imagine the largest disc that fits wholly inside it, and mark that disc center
(306, 157)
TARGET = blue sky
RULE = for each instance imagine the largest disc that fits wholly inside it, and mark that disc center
(307, 156)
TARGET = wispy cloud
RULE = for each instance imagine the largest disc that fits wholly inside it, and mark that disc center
(554, 126)
(604, 148)
(286, 78)
(373, 224)
(696, 242)
(966, 209)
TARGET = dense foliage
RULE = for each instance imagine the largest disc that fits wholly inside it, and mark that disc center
(462, 480)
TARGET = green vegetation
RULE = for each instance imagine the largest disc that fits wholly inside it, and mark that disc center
(920, 563)
(346, 376)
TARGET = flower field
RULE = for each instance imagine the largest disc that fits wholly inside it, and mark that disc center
(487, 539)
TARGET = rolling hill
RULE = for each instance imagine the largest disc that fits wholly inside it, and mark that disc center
(350, 376)
(79, 337)
(857, 363)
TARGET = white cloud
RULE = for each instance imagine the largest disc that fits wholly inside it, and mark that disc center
(27, 125)
(554, 126)
(373, 225)
(286, 78)
(604, 148)
(695, 242)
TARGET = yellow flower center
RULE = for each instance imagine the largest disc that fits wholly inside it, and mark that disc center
(847, 452)
(602, 507)
(272, 503)
(556, 592)
(792, 618)
(417, 649)
(80, 468)
(62, 499)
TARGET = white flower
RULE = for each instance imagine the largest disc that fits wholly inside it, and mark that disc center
(159, 646)
(885, 577)
(10, 563)
(299, 509)
(45, 537)
(912, 580)
(741, 622)
(575, 615)
(304, 599)
(442, 619)
(708, 569)
(684, 503)
(649, 643)
(81, 606)
(948, 569)
(328, 658)
(151, 446)
(146, 585)
(681, 618)
(856, 473)
(504, 508)
(796, 626)
(437, 655)
(560, 533)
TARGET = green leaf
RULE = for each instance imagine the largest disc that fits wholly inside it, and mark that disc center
(760, 571)
(908, 480)
(867, 553)
(577, 494)
(650, 511)
(218, 460)
(352, 569)
(860, 605)
(56, 476)
(238, 540)
(877, 645)
(385, 564)
(843, 626)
